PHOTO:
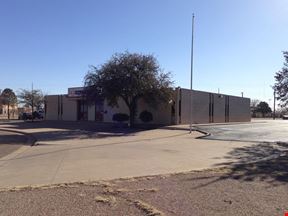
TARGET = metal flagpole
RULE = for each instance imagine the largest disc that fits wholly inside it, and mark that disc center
(32, 102)
(191, 81)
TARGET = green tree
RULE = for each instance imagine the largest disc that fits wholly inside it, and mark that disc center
(32, 98)
(281, 84)
(8, 98)
(263, 108)
(129, 76)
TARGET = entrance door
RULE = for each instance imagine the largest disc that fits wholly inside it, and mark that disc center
(82, 110)
(99, 111)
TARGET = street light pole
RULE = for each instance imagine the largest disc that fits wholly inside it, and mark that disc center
(191, 80)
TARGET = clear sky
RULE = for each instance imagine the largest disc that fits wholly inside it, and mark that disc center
(238, 44)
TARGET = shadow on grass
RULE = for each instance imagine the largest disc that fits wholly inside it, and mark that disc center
(266, 162)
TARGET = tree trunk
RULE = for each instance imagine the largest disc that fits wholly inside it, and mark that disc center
(8, 111)
(132, 110)
(131, 119)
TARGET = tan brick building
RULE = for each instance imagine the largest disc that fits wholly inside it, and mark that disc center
(4, 111)
(206, 108)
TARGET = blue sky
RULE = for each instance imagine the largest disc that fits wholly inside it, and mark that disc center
(238, 44)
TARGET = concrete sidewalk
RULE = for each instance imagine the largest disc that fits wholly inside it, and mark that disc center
(88, 157)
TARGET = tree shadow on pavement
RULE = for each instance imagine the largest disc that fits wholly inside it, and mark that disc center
(64, 130)
(266, 162)
(10, 142)
(12, 139)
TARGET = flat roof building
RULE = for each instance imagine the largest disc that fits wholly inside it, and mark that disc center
(206, 107)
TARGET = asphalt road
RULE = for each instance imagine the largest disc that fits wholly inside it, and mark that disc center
(256, 131)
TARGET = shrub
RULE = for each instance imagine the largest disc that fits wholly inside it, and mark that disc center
(120, 117)
(146, 116)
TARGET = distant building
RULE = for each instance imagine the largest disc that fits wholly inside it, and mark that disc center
(206, 108)
(4, 111)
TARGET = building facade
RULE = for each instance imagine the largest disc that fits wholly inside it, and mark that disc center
(201, 107)
(13, 111)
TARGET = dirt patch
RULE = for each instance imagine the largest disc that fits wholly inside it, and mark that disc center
(193, 193)
(146, 208)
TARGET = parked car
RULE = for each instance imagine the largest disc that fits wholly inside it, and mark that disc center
(38, 115)
(26, 116)
(29, 116)
(285, 117)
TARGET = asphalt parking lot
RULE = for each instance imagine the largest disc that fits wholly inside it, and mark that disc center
(256, 131)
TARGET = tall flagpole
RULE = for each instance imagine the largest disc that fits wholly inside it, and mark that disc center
(32, 102)
(191, 81)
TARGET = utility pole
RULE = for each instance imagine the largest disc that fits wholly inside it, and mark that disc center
(191, 80)
(274, 104)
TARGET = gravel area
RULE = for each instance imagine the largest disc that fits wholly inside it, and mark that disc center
(10, 142)
(212, 192)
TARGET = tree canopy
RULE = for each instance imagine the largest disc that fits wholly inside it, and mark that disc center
(129, 76)
(8, 98)
(31, 98)
(281, 82)
(263, 108)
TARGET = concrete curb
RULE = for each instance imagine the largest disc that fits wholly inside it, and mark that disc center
(205, 134)
(31, 139)
(228, 123)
